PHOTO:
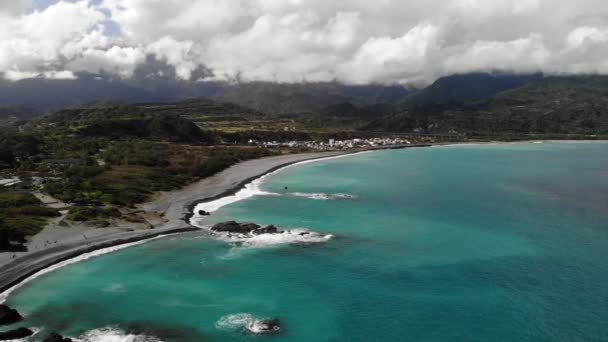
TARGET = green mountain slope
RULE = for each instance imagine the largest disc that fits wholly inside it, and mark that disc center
(283, 98)
(565, 105)
(467, 87)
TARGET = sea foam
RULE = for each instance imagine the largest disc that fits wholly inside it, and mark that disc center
(234, 321)
(322, 196)
(293, 236)
(249, 190)
(110, 334)
(241, 321)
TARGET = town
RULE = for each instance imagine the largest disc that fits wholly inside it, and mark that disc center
(333, 144)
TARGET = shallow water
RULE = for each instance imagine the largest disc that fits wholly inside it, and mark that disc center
(464, 243)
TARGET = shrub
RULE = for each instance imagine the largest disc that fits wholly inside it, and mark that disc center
(82, 214)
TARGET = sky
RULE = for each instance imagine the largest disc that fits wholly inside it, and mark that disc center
(352, 41)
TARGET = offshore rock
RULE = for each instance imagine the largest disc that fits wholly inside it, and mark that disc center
(54, 337)
(264, 326)
(15, 334)
(267, 230)
(8, 315)
(249, 227)
(245, 228)
(230, 227)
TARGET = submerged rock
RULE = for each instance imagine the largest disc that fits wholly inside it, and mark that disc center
(264, 326)
(54, 337)
(8, 315)
(15, 334)
(230, 227)
(267, 230)
(204, 213)
(245, 228)
(249, 227)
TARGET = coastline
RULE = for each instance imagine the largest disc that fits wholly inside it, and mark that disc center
(8, 284)
(176, 207)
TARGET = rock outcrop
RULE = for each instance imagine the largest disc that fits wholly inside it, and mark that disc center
(264, 326)
(15, 334)
(244, 228)
(8, 315)
(54, 337)
(266, 230)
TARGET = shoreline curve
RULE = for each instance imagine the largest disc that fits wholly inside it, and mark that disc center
(177, 207)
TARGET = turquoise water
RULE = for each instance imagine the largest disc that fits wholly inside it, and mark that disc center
(466, 243)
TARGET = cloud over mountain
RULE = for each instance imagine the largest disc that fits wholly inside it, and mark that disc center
(355, 41)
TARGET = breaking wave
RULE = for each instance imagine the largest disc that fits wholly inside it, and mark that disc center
(241, 321)
(293, 236)
(322, 196)
(35, 332)
(252, 189)
(234, 321)
(114, 335)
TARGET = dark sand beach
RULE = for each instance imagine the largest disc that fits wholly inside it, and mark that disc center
(56, 243)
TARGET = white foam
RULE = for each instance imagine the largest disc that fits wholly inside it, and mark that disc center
(251, 189)
(323, 196)
(294, 236)
(241, 321)
(35, 332)
(258, 327)
(113, 335)
(234, 321)
(115, 288)
(86, 256)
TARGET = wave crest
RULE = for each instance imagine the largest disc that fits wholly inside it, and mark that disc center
(114, 335)
(323, 196)
(293, 236)
(247, 322)
(252, 189)
(234, 321)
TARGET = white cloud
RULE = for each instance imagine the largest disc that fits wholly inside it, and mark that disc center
(180, 55)
(15, 75)
(521, 55)
(484, 9)
(13, 6)
(357, 41)
(586, 35)
(388, 59)
(118, 60)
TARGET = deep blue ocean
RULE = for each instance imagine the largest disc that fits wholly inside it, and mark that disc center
(505, 242)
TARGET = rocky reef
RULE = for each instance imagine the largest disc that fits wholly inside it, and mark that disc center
(15, 334)
(54, 337)
(264, 326)
(8, 315)
(244, 228)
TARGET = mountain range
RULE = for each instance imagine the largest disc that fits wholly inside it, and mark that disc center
(478, 103)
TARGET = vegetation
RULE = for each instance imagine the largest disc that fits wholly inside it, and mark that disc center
(457, 89)
(135, 169)
(285, 98)
(82, 214)
(108, 155)
(557, 106)
(21, 215)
